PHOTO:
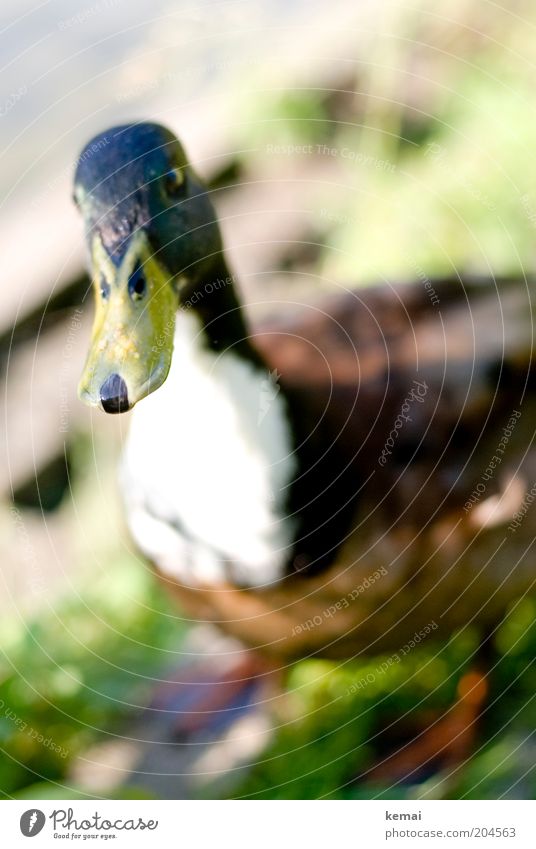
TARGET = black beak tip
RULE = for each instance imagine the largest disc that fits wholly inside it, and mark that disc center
(114, 395)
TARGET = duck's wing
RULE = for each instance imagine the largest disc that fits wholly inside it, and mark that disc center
(400, 396)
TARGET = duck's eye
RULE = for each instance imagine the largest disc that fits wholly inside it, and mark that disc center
(137, 284)
(104, 288)
(173, 181)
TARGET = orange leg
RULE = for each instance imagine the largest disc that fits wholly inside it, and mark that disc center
(447, 742)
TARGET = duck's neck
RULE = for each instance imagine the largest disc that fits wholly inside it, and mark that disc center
(215, 303)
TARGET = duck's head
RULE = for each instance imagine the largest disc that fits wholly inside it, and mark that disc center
(152, 235)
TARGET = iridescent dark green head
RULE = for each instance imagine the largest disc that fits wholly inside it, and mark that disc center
(152, 235)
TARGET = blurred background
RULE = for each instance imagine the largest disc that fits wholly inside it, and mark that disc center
(346, 143)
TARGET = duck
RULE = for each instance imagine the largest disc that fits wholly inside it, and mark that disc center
(332, 480)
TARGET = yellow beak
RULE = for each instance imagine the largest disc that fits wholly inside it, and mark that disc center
(132, 337)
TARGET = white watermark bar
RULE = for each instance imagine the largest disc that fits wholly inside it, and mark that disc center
(247, 823)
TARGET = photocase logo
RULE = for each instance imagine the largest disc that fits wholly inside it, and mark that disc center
(31, 822)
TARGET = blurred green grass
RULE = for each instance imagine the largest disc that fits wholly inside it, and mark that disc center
(80, 674)
(332, 739)
(77, 673)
